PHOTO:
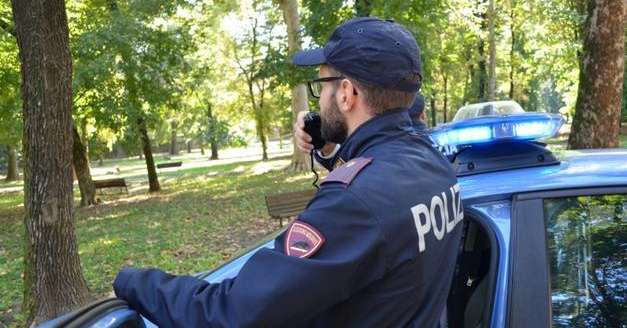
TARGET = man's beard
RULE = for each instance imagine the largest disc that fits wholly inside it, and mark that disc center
(333, 127)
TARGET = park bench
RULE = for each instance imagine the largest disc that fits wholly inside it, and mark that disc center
(169, 164)
(111, 183)
(288, 204)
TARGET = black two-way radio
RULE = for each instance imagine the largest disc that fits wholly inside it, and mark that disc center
(313, 126)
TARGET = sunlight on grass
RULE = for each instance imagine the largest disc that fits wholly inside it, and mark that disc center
(107, 217)
(11, 200)
(206, 212)
(304, 177)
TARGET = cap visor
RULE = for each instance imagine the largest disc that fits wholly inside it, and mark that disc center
(311, 57)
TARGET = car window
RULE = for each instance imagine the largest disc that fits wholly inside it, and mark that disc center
(587, 246)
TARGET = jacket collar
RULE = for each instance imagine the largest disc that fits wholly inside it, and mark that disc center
(389, 124)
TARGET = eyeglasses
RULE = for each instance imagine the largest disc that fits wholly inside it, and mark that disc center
(315, 86)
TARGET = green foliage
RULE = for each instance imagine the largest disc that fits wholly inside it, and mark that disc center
(128, 62)
(10, 97)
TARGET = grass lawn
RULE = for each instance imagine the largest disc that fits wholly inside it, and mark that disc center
(560, 142)
(206, 212)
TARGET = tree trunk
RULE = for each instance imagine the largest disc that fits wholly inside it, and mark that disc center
(214, 150)
(480, 75)
(482, 72)
(53, 281)
(434, 112)
(512, 57)
(213, 140)
(12, 174)
(445, 110)
(597, 111)
(83, 174)
(300, 160)
(492, 53)
(363, 8)
(85, 138)
(173, 143)
(261, 133)
(153, 180)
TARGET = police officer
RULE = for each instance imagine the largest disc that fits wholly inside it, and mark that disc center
(376, 247)
(417, 113)
(327, 155)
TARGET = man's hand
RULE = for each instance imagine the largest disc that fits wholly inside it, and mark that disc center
(303, 140)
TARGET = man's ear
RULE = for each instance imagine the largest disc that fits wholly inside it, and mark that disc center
(346, 95)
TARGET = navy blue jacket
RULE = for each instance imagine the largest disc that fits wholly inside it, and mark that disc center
(389, 222)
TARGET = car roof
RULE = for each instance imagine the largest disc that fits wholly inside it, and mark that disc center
(577, 169)
(499, 107)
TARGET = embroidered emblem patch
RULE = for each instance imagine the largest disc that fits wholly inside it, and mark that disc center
(302, 240)
(347, 172)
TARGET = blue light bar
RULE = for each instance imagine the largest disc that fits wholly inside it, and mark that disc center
(527, 126)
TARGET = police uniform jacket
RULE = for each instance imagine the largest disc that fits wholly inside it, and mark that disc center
(376, 247)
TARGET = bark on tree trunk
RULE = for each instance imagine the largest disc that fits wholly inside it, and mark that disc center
(482, 71)
(213, 140)
(512, 56)
(262, 137)
(300, 160)
(214, 150)
(85, 137)
(434, 112)
(597, 111)
(481, 74)
(173, 143)
(492, 53)
(445, 110)
(363, 8)
(83, 174)
(12, 174)
(153, 180)
(53, 281)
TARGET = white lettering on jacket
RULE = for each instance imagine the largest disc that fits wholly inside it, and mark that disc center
(441, 216)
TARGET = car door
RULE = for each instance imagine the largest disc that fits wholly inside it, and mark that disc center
(568, 258)
(105, 313)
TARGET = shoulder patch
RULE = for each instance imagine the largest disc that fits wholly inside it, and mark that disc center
(302, 240)
(347, 172)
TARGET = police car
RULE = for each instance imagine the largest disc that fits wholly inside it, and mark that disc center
(544, 239)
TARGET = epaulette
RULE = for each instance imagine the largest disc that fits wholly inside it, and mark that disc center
(348, 171)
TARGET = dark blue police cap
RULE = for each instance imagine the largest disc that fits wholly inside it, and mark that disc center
(418, 106)
(374, 51)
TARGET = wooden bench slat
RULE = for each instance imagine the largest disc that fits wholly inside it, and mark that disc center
(288, 204)
(169, 164)
(111, 183)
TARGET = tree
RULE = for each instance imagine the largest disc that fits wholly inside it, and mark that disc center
(80, 161)
(174, 149)
(51, 261)
(597, 114)
(130, 59)
(81, 168)
(299, 91)
(363, 8)
(492, 52)
(256, 44)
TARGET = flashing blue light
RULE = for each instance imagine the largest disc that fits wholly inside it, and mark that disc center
(527, 126)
